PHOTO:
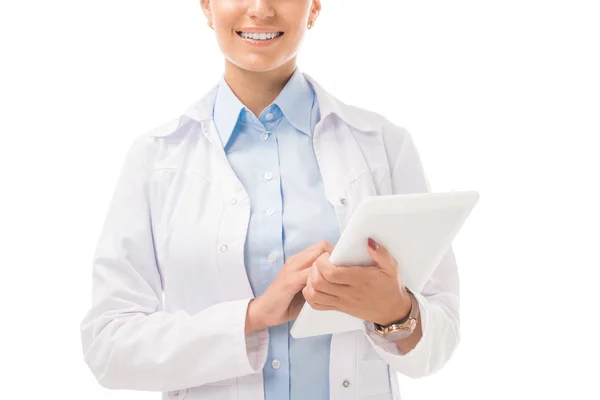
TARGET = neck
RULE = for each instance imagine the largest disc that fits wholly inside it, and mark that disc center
(256, 90)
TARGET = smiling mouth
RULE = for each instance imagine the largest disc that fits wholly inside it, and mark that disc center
(264, 37)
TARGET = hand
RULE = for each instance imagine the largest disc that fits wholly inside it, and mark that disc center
(283, 300)
(371, 293)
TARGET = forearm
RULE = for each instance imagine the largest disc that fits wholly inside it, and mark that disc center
(254, 322)
(432, 343)
(138, 351)
(400, 311)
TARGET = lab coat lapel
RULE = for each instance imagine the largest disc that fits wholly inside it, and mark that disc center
(234, 217)
(340, 161)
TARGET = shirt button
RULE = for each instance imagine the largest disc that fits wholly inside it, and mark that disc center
(269, 176)
(346, 383)
(272, 257)
(269, 116)
(270, 211)
(223, 248)
(264, 136)
(276, 364)
(343, 201)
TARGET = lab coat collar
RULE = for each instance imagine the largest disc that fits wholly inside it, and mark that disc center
(202, 110)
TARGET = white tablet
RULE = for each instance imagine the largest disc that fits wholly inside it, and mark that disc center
(416, 228)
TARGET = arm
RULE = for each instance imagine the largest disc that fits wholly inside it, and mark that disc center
(399, 312)
(437, 334)
(409, 343)
(128, 341)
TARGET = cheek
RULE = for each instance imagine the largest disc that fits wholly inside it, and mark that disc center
(292, 40)
(227, 12)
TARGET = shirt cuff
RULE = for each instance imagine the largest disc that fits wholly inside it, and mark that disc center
(257, 346)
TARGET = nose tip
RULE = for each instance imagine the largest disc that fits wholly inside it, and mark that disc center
(261, 9)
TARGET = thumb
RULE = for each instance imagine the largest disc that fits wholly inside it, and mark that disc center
(381, 256)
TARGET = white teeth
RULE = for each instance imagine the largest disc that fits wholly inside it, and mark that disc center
(259, 36)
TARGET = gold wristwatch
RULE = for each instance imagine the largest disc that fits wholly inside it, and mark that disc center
(403, 328)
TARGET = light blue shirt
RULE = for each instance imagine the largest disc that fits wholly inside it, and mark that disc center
(274, 159)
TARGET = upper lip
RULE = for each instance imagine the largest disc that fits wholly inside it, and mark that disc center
(258, 30)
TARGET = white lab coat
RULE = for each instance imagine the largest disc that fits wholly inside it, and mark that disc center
(170, 290)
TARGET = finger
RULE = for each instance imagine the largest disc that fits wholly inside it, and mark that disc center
(313, 297)
(323, 245)
(382, 257)
(341, 275)
(321, 307)
(318, 282)
(307, 257)
(328, 247)
(302, 276)
(299, 280)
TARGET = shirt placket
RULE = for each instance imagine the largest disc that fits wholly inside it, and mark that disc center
(276, 371)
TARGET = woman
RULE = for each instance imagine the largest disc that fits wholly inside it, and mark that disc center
(221, 226)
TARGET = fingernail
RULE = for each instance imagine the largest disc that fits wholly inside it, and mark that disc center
(373, 244)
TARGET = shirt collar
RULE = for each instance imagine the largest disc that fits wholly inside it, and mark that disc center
(226, 111)
(295, 102)
(202, 110)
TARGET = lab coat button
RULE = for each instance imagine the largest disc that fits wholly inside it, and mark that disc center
(224, 248)
(343, 201)
(179, 394)
(233, 201)
(346, 383)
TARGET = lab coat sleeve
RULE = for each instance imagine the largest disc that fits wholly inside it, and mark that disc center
(128, 341)
(439, 299)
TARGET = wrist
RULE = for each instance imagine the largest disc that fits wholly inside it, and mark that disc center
(254, 322)
(399, 309)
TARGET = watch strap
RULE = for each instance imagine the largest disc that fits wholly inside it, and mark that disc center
(404, 323)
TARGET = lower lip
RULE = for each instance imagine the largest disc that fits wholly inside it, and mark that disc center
(260, 43)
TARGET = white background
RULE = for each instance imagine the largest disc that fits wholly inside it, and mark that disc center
(500, 96)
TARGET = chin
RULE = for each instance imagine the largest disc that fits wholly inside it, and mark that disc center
(258, 65)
